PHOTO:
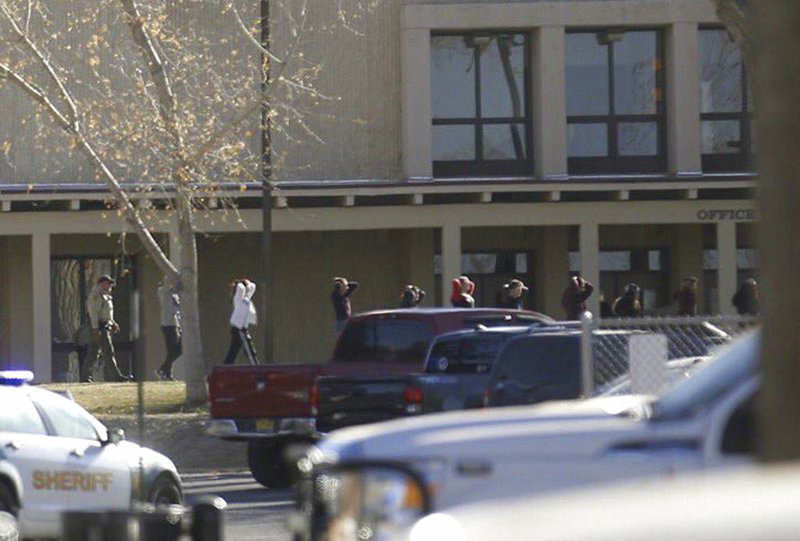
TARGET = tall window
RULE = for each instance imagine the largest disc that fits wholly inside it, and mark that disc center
(615, 101)
(725, 104)
(479, 93)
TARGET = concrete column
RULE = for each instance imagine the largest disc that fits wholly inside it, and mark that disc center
(42, 341)
(687, 260)
(683, 100)
(420, 262)
(549, 103)
(589, 249)
(415, 50)
(552, 270)
(726, 274)
(451, 259)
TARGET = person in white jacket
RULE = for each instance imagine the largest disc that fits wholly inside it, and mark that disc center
(244, 315)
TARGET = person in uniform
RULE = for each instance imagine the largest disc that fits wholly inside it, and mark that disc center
(170, 328)
(100, 306)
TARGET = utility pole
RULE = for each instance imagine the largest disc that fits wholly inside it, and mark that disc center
(267, 304)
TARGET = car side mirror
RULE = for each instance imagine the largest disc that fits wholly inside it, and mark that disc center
(381, 498)
(116, 435)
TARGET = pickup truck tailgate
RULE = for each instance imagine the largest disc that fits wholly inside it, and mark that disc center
(359, 400)
(261, 391)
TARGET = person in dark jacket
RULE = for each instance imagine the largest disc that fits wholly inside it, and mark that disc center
(628, 305)
(746, 299)
(573, 300)
(340, 298)
(686, 297)
(411, 296)
(511, 295)
(463, 289)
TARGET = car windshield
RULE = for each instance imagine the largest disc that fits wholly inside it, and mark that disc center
(733, 365)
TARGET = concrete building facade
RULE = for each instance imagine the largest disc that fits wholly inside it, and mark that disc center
(529, 139)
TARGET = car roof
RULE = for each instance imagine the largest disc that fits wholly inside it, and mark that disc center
(432, 312)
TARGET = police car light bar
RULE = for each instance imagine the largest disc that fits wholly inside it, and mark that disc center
(15, 377)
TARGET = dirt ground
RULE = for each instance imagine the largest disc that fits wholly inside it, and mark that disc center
(181, 437)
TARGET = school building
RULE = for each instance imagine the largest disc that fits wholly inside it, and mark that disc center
(529, 139)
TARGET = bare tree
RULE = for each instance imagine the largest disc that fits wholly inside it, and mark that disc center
(158, 97)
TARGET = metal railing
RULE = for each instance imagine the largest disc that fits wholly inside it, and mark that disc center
(649, 355)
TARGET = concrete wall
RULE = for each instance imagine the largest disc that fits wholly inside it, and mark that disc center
(16, 324)
(353, 46)
(212, 65)
(381, 261)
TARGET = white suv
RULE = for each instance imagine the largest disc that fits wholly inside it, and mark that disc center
(59, 458)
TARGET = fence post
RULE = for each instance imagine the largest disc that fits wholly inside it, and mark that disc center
(587, 366)
(208, 519)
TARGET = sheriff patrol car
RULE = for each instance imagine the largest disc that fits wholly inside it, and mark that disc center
(56, 457)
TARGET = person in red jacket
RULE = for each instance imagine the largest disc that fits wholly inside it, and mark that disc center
(463, 289)
(573, 300)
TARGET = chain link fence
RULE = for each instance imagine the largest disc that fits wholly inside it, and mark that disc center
(650, 355)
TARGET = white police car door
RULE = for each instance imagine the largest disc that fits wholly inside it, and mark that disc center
(26, 444)
(87, 474)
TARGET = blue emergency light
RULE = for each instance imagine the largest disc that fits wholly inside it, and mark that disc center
(15, 377)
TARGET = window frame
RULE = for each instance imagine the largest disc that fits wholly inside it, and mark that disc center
(613, 162)
(744, 159)
(480, 166)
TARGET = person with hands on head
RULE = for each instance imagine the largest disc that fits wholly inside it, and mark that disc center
(573, 300)
(511, 294)
(411, 296)
(463, 290)
(100, 306)
(340, 298)
(243, 315)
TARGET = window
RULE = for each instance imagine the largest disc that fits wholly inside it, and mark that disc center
(615, 101)
(19, 415)
(725, 104)
(479, 100)
(68, 419)
(386, 340)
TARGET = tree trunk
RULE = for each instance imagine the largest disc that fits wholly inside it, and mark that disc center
(193, 356)
(777, 65)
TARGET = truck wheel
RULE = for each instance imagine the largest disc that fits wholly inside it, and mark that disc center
(268, 465)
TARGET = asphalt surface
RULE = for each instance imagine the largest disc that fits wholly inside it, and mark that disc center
(253, 512)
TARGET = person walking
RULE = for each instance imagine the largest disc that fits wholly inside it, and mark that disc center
(170, 328)
(628, 304)
(411, 296)
(243, 315)
(746, 299)
(686, 297)
(463, 290)
(511, 295)
(100, 306)
(340, 298)
(573, 299)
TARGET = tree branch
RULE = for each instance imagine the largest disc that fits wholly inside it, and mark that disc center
(88, 151)
(65, 95)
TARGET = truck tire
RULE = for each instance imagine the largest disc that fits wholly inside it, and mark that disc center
(268, 465)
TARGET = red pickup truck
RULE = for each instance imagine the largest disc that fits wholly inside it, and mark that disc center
(274, 406)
